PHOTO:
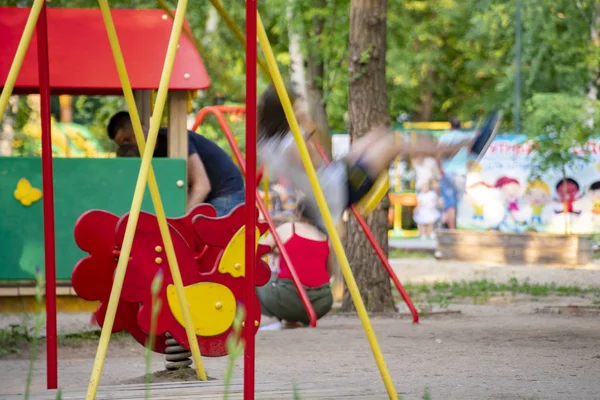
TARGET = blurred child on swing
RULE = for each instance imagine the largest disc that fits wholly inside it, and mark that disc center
(344, 181)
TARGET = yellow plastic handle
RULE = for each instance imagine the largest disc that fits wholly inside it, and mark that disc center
(380, 188)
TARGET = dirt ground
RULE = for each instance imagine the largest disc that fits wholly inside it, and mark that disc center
(505, 350)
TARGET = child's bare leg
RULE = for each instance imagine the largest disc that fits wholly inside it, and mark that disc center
(429, 229)
(376, 156)
(377, 150)
(428, 146)
(361, 145)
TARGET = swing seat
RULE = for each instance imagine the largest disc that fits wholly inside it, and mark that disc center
(369, 202)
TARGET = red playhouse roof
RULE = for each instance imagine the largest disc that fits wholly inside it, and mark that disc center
(81, 60)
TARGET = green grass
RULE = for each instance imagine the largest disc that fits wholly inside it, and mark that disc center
(401, 253)
(426, 394)
(480, 291)
(16, 337)
(80, 338)
(13, 338)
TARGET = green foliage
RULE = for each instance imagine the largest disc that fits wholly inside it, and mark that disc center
(78, 339)
(235, 348)
(324, 28)
(156, 306)
(401, 253)
(94, 112)
(426, 394)
(211, 129)
(21, 116)
(39, 322)
(559, 128)
(25, 145)
(463, 51)
(12, 338)
(296, 391)
(460, 51)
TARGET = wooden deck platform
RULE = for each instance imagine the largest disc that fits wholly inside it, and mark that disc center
(213, 390)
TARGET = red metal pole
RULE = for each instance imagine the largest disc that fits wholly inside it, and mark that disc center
(386, 264)
(216, 111)
(382, 256)
(249, 329)
(221, 108)
(259, 175)
(48, 190)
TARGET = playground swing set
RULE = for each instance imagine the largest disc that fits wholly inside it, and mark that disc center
(213, 263)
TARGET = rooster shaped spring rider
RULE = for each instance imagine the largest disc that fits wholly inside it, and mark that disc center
(210, 254)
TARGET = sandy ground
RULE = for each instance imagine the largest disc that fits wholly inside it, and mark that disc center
(506, 351)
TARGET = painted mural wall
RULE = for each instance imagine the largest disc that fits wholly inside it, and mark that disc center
(500, 193)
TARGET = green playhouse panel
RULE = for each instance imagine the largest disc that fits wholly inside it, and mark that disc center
(80, 184)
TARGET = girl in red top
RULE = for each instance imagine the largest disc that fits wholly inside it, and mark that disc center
(309, 252)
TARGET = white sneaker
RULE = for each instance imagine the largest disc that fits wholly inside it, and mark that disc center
(275, 326)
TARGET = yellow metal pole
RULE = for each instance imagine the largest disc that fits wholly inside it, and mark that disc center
(136, 205)
(397, 206)
(237, 32)
(331, 229)
(398, 182)
(413, 138)
(13, 73)
(152, 185)
(397, 217)
(266, 189)
(267, 198)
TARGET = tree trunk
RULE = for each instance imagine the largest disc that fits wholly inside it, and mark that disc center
(316, 77)
(212, 22)
(425, 110)
(367, 108)
(297, 61)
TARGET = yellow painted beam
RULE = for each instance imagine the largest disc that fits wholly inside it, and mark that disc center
(28, 304)
(433, 125)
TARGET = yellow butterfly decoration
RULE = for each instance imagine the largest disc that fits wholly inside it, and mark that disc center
(27, 194)
(598, 166)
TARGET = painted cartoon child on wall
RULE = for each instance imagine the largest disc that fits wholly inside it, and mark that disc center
(511, 190)
(538, 194)
(595, 195)
(475, 195)
(567, 192)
